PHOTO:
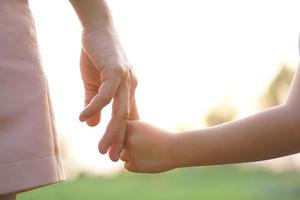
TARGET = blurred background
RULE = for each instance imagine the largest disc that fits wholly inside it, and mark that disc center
(199, 63)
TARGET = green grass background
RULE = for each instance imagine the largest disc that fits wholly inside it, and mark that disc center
(208, 183)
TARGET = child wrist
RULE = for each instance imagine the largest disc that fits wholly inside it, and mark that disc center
(175, 148)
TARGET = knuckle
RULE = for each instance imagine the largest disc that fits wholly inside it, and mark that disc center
(119, 71)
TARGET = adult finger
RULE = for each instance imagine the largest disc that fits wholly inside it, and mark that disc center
(118, 144)
(133, 82)
(105, 94)
(94, 119)
(116, 129)
(133, 115)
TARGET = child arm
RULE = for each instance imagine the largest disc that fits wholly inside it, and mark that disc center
(267, 134)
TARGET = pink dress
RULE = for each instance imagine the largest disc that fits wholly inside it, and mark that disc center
(29, 155)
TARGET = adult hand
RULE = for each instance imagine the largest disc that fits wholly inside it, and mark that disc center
(107, 75)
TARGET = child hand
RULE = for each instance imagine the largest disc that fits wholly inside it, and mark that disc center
(147, 149)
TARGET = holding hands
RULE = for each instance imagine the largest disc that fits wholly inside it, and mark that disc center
(148, 149)
(107, 76)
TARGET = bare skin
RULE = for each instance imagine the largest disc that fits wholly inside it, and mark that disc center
(106, 75)
(268, 134)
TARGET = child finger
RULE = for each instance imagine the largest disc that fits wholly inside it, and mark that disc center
(128, 166)
(124, 155)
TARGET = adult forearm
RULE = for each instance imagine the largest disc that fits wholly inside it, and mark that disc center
(99, 38)
(94, 15)
(265, 135)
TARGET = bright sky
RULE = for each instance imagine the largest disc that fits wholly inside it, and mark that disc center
(189, 55)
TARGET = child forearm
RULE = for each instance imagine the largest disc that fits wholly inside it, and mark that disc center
(268, 134)
(265, 135)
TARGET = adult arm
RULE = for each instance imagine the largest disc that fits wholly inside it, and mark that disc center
(106, 74)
